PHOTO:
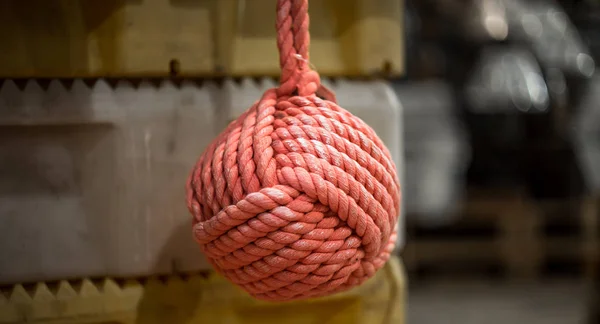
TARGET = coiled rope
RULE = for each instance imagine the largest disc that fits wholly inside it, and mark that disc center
(296, 198)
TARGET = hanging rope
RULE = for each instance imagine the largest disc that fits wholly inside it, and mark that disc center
(296, 198)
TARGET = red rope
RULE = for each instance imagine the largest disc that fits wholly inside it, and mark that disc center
(293, 41)
(297, 197)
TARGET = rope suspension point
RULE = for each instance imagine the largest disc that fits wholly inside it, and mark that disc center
(297, 198)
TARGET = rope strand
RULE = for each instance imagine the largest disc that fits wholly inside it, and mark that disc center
(297, 198)
(293, 42)
(287, 50)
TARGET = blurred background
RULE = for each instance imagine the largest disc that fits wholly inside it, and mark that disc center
(508, 90)
(104, 107)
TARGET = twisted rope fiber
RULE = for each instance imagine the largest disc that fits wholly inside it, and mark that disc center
(297, 198)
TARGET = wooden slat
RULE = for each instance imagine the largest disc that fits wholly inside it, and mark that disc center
(141, 38)
(352, 37)
(199, 299)
(73, 38)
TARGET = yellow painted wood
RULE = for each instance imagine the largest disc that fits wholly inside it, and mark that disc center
(136, 38)
(197, 299)
(348, 37)
(66, 38)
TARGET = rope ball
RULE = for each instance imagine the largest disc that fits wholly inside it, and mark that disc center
(297, 198)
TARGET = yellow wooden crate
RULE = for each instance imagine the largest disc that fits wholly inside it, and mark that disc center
(137, 38)
(88, 38)
(197, 299)
(348, 37)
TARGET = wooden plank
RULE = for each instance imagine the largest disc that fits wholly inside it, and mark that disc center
(140, 38)
(72, 38)
(200, 299)
(351, 37)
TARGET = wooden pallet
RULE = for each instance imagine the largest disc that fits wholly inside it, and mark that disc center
(507, 234)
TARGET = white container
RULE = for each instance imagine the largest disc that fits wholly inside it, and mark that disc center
(93, 177)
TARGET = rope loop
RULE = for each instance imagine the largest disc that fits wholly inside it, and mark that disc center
(293, 42)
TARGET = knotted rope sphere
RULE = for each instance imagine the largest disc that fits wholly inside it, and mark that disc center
(297, 197)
